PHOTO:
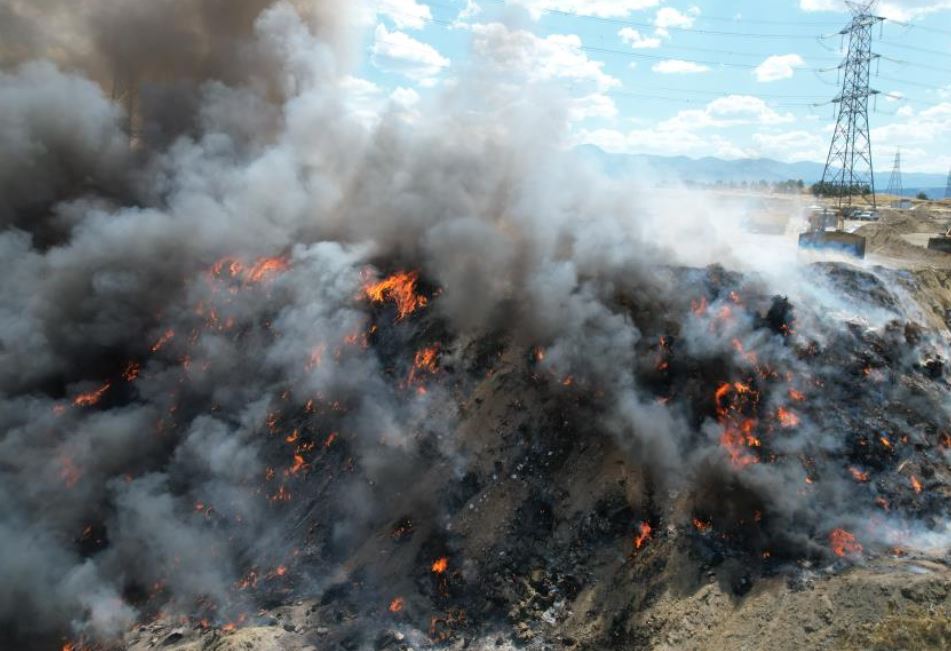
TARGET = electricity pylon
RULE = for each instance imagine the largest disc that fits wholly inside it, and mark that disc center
(849, 170)
(894, 182)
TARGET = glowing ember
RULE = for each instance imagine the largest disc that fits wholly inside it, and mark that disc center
(797, 396)
(915, 484)
(698, 307)
(166, 337)
(858, 475)
(885, 442)
(69, 472)
(131, 371)
(90, 398)
(299, 464)
(738, 430)
(399, 288)
(397, 604)
(701, 526)
(786, 418)
(843, 543)
(265, 268)
(440, 565)
(643, 535)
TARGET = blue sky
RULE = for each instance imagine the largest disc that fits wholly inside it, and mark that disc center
(730, 78)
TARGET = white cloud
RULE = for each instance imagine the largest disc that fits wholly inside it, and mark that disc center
(405, 97)
(924, 128)
(634, 38)
(405, 14)
(527, 57)
(780, 66)
(398, 52)
(668, 17)
(596, 105)
(600, 8)
(892, 9)
(694, 132)
(471, 10)
(678, 67)
(791, 146)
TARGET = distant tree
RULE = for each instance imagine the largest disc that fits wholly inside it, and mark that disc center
(800, 185)
(922, 196)
(834, 190)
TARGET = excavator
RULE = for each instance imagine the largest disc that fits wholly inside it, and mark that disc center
(941, 243)
(820, 237)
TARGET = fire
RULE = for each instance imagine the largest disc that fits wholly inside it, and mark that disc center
(786, 418)
(69, 472)
(424, 363)
(858, 475)
(738, 430)
(262, 269)
(844, 543)
(440, 565)
(797, 396)
(397, 604)
(299, 464)
(915, 484)
(90, 398)
(698, 307)
(131, 371)
(265, 268)
(166, 337)
(701, 526)
(643, 535)
(885, 442)
(399, 288)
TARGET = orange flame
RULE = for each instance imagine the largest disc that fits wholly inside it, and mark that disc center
(915, 484)
(787, 418)
(440, 565)
(797, 396)
(643, 536)
(90, 398)
(397, 604)
(425, 362)
(738, 430)
(131, 371)
(399, 288)
(844, 543)
(166, 337)
(858, 475)
(299, 464)
(701, 526)
(265, 268)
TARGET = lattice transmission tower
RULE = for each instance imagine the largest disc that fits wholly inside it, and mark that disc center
(849, 170)
(894, 181)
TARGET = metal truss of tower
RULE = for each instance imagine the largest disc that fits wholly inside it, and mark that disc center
(894, 182)
(849, 170)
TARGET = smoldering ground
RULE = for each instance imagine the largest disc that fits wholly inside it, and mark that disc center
(184, 331)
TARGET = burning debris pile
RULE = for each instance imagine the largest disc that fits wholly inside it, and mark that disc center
(372, 386)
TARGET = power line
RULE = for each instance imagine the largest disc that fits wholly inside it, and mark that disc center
(634, 23)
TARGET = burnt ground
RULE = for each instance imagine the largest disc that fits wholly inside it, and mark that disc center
(554, 535)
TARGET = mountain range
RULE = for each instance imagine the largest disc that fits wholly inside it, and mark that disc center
(711, 170)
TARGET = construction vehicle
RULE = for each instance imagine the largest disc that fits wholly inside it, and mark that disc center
(942, 244)
(820, 237)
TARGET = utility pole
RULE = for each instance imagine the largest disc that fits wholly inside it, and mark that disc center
(947, 189)
(849, 168)
(894, 182)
